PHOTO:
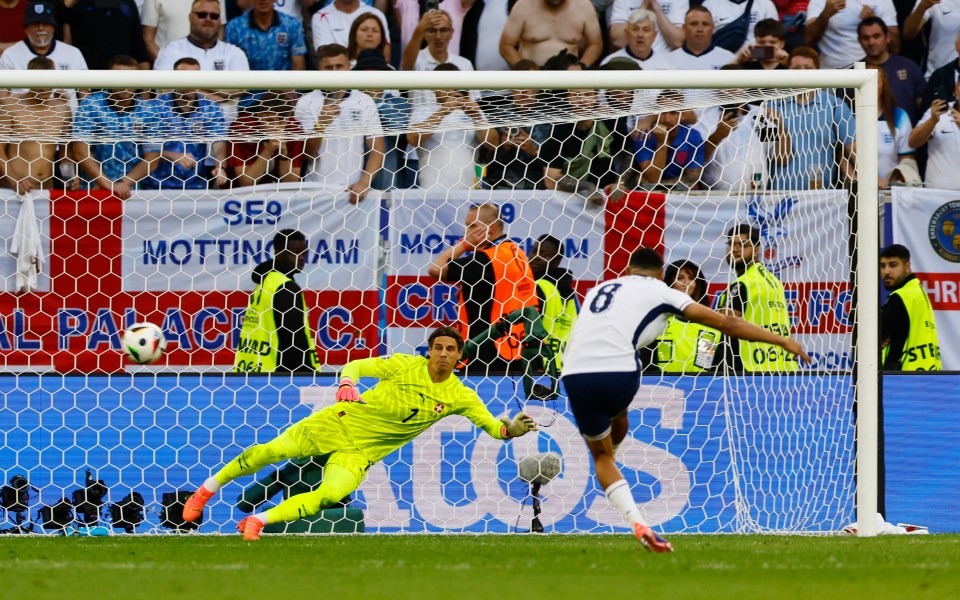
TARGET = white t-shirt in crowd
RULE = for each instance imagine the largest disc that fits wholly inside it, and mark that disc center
(490, 27)
(619, 317)
(839, 46)
(447, 158)
(171, 18)
(339, 162)
(657, 61)
(65, 56)
(714, 58)
(675, 10)
(942, 152)
(893, 145)
(725, 12)
(426, 61)
(292, 8)
(739, 157)
(945, 23)
(331, 26)
(221, 57)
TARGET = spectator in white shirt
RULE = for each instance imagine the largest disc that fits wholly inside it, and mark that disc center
(698, 51)
(337, 157)
(669, 19)
(331, 24)
(726, 12)
(832, 25)
(166, 20)
(893, 132)
(39, 25)
(944, 21)
(203, 43)
(436, 27)
(447, 156)
(939, 129)
(641, 34)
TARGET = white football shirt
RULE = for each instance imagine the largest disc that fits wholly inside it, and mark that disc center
(221, 57)
(339, 162)
(332, 26)
(839, 46)
(944, 24)
(714, 58)
(63, 55)
(725, 12)
(619, 317)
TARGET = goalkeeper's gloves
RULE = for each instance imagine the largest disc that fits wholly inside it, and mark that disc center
(347, 393)
(520, 425)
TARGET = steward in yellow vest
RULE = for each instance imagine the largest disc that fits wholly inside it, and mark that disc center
(908, 330)
(276, 335)
(757, 297)
(558, 299)
(686, 347)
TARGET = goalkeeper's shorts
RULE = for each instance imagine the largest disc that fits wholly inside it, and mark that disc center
(323, 433)
(596, 398)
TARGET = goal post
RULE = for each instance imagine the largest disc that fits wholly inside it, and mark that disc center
(352, 274)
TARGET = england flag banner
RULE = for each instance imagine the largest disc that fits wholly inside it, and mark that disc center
(927, 222)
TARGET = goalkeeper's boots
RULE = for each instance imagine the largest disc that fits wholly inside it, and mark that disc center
(250, 527)
(650, 540)
(193, 507)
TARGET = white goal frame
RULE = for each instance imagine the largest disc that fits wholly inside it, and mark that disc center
(862, 80)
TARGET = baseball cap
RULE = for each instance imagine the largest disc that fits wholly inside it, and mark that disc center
(39, 12)
(371, 60)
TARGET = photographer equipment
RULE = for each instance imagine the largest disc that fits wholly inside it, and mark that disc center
(58, 516)
(89, 500)
(171, 515)
(128, 513)
(537, 470)
(15, 498)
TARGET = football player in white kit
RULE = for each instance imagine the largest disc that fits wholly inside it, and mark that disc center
(601, 366)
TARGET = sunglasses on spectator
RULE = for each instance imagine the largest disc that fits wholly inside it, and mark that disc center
(201, 14)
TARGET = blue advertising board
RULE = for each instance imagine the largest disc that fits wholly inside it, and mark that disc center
(704, 454)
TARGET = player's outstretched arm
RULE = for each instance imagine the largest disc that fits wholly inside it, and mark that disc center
(732, 326)
(520, 425)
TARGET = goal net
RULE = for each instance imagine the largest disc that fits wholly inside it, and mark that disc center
(156, 197)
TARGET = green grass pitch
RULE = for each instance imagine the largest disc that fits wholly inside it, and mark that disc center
(458, 567)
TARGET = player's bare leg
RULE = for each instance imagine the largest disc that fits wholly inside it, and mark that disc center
(619, 494)
(618, 431)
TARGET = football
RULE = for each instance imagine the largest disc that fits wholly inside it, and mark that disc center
(143, 343)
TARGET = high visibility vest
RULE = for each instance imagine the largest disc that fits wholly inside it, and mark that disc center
(513, 289)
(766, 307)
(680, 345)
(921, 351)
(258, 351)
(558, 316)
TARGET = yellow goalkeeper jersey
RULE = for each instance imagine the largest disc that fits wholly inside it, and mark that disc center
(405, 403)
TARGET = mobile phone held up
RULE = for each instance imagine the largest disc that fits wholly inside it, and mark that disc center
(762, 52)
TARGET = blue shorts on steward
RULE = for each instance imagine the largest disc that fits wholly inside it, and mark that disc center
(596, 398)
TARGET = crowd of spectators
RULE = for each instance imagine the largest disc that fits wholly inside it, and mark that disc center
(218, 138)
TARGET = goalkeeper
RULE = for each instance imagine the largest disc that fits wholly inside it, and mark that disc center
(413, 394)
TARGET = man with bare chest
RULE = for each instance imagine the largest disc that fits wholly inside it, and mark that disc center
(539, 29)
(31, 124)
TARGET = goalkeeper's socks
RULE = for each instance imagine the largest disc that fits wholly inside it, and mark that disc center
(212, 485)
(620, 496)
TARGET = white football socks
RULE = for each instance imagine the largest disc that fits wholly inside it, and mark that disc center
(212, 485)
(619, 495)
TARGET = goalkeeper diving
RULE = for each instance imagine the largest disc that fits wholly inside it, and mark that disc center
(413, 393)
